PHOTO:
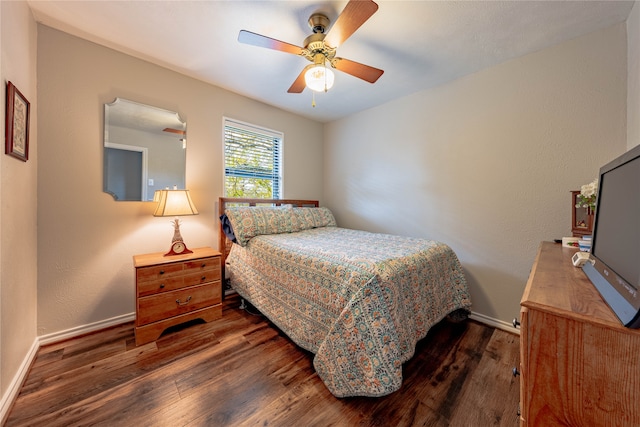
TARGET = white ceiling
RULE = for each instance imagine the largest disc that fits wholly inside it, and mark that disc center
(419, 44)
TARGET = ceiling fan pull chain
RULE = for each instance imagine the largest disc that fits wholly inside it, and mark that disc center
(325, 77)
(313, 99)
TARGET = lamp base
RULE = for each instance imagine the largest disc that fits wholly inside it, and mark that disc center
(177, 244)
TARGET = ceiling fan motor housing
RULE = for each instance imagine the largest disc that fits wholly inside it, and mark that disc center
(314, 45)
(318, 23)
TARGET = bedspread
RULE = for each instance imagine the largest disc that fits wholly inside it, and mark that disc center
(359, 301)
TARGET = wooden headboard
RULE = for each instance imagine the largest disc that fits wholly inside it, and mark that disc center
(224, 244)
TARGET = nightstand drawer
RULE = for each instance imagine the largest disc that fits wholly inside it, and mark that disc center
(158, 272)
(202, 277)
(205, 264)
(177, 282)
(162, 285)
(168, 304)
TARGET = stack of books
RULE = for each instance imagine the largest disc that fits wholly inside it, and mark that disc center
(585, 244)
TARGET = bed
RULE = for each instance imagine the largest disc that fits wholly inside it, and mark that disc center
(358, 301)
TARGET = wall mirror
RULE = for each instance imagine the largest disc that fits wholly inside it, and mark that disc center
(144, 150)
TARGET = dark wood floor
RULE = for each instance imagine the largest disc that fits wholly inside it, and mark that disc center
(241, 370)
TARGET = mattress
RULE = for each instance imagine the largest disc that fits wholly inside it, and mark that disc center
(359, 301)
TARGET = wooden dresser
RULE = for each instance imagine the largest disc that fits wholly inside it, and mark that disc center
(174, 289)
(579, 365)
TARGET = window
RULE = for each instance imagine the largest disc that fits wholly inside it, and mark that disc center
(252, 161)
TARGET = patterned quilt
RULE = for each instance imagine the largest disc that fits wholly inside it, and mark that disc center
(359, 301)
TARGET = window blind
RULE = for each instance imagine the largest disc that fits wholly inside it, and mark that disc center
(252, 161)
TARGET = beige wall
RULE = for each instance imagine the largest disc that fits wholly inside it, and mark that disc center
(18, 205)
(633, 77)
(85, 238)
(486, 162)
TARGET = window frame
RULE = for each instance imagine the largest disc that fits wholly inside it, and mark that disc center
(250, 127)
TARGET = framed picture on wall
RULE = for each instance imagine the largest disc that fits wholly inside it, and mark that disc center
(17, 124)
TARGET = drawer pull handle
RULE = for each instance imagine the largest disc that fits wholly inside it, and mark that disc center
(203, 278)
(516, 323)
(162, 286)
(203, 265)
(187, 302)
(161, 272)
(515, 372)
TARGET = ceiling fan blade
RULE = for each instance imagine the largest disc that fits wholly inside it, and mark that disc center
(299, 84)
(355, 13)
(356, 69)
(178, 131)
(254, 39)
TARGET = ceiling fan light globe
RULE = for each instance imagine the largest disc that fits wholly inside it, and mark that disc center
(319, 78)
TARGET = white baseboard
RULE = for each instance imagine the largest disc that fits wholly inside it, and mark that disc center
(16, 383)
(498, 324)
(85, 329)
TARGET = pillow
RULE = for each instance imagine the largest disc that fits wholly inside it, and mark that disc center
(307, 218)
(248, 222)
(227, 228)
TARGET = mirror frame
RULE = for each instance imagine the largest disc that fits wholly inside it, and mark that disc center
(131, 127)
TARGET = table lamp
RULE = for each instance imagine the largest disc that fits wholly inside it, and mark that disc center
(175, 203)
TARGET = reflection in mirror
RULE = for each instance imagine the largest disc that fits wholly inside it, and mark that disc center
(144, 150)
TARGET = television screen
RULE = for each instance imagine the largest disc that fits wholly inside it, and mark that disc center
(618, 225)
(615, 253)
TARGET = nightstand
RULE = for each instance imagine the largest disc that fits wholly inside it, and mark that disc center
(175, 289)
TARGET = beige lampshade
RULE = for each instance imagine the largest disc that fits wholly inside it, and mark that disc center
(174, 203)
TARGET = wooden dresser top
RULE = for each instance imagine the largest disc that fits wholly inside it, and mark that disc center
(557, 287)
(158, 258)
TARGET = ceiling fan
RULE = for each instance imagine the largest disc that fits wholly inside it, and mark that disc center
(320, 48)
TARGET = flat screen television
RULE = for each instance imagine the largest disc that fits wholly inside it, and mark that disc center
(615, 252)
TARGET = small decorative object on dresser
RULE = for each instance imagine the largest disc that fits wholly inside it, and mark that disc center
(174, 290)
(581, 216)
